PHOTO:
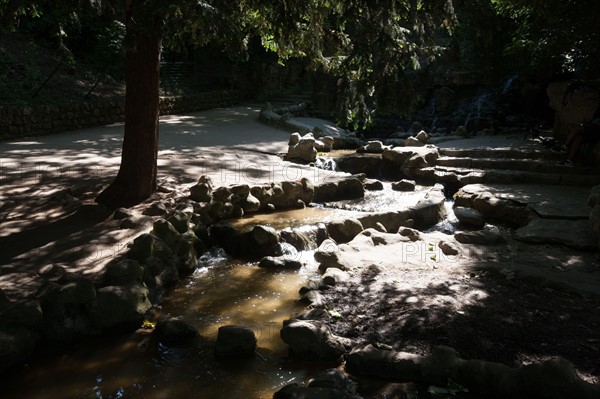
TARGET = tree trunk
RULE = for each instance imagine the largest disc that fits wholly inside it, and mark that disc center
(136, 180)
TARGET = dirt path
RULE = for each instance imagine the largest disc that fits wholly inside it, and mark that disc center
(45, 179)
(481, 302)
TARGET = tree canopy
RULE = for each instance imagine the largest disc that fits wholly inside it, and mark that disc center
(368, 45)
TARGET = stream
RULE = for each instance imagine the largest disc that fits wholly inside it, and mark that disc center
(223, 291)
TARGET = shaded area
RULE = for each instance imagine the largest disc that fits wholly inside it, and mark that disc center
(482, 315)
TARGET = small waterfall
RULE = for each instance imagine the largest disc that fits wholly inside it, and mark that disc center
(326, 163)
(304, 238)
(450, 224)
(509, 84)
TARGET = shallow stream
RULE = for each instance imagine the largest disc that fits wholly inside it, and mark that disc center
(223, 291)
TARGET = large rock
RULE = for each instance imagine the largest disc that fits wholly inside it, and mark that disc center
(166, 232)
(67, 308)
(329, 384)
(121, 305)
(494, 204)
(333, 276)
(346, 142)
(235, 341)
(27, 314)
(202, 191)
(256, 242)
(404, 185)
(552, 379)
(285, 195)
(372, 147)
(186, 257)
(369, 360)
(373, 185)
(488, 236)
(337, 189)
(405, 161)
(359, 163)
(181, 221)
(123, 272)
(312, 341)
(304, 150)
(174, 331)
(343, 231)
(147, 246)
(280, 263)
(392, 221)
(305, 237)
(469, 217)
(430, 209)
(413, 142)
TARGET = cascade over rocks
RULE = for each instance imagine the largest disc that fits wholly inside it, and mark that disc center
(256, 242)
(305, 237)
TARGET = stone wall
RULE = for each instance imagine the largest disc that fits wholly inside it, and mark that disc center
(18, 121)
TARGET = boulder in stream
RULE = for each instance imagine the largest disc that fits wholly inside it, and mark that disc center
(121, 305)
(469, 217)
(235, 341)
(312, 340)
(302, 149)
(344, 230)
(174, 331)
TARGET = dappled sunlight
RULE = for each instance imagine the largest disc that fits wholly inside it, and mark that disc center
(22, 143)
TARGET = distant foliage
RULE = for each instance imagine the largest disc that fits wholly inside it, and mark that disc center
(561, 34)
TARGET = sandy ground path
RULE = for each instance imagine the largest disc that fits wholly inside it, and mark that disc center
(45, 179)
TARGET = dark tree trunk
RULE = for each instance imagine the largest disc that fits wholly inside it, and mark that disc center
(136, 180)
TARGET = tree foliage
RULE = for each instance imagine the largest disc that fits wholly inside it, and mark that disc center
(562, 34)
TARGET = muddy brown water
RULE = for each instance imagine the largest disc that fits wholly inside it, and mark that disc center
(222, 292)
